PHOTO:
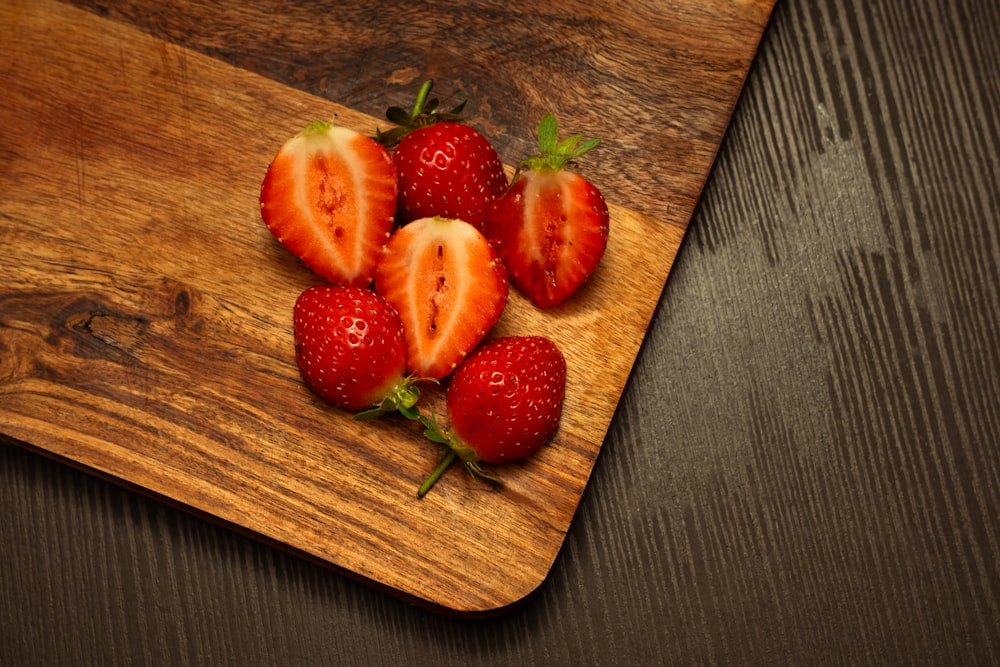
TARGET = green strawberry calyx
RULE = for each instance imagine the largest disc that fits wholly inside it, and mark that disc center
(403, 398)
(452, 448)
(554, 154)
(316, 127)
(424, 113)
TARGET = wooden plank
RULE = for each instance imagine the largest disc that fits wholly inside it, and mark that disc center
(145, 319)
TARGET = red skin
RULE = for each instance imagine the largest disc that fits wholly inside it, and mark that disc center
(348, 345)
(449, 170)
(505, 400)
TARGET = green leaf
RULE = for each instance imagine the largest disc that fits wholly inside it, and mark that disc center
(587, 145)
(566, 146)
(432, 429)
(435, 436)
(397, 115)
(554, 154)
(548, 134)
(477, 470)
(410, 412)
(369, 414)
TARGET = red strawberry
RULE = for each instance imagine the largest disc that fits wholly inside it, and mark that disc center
(444, 279)
(445, 168)
(350, 350)
(504, 402)
(329, 196)
(551, 226)
(450, 170)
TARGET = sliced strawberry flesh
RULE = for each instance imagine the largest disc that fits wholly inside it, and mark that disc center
(449, 288)
(329, 197)
(560, 235)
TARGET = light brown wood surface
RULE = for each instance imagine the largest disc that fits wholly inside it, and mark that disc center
(145, 314)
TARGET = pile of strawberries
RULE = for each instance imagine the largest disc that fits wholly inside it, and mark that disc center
(416, 233)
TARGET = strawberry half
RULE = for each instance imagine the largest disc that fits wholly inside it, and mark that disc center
(504, 403)
(350, 350)
(445, 168)
(444, 279)
(329, 196)
(551, 227)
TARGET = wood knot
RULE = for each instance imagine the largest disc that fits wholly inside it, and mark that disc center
(181, 304)
(100, 331)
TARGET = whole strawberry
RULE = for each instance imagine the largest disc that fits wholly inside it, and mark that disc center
(350, 350)
(504, 402)
(445, 168)
(551, 227)
(329, 196)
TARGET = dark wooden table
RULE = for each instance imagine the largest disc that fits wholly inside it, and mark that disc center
(804, 468)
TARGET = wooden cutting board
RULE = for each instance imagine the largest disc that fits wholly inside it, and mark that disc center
(145, 311)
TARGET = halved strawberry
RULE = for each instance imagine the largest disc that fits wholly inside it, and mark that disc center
(551, 227)
(350, 350)
(445, 168)
(449, 287)
(504, 402)
(329, 196)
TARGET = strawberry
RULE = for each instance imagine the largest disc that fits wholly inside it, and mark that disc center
(444, 279)
(350, 350)
(551, 227)
(445, 168)
(504, 402)
(329, 197)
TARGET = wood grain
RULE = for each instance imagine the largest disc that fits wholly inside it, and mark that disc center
(649, 78)
(836, 497)
(803, 469)
(146, 318)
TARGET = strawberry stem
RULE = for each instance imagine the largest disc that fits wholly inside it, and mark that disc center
(453, 448)
(425, 112)
(446, 461)
(418, 104)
